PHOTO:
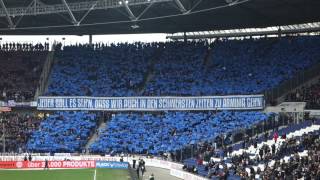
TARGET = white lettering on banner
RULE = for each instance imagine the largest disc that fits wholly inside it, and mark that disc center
(143, 103)
(73, 102)
(77, 164)
(218, 103)
(176, 103)
(61, 103)
(54, 164)
(102, 104)
(205, 103)
(152, 104)
(46, 103)
(19, 164)
(116, 103)
(112, 164)
(236, 102)
(130, 103)
(34, 164)
(85, 103)
(240, 102)
(253, 102)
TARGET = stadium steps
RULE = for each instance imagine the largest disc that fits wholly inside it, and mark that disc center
(44, 77)
(150, 73)
(292, 131)
(207, 59)
(95, 136)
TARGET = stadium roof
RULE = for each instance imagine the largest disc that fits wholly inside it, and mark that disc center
(274, 30)
(78, 17)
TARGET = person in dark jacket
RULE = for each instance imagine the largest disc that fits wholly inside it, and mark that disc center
(261, 153)
(134, 161)
(46, 165)
(273, 149)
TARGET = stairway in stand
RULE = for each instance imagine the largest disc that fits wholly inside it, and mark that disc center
(45, 75)
(95, 136)
(207, 59)
(150, 73)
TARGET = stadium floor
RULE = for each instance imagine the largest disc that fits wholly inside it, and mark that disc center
(65, 174)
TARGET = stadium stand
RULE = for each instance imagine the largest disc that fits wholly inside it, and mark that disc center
(178, 67)
(298, 144)
(119, 69)
(20, 73)
(140, 133)
(254, 66)
(18, 128)
(205, 103)
(309, 94)
(63, 132)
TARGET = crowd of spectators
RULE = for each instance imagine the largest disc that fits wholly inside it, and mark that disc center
(167, 132)
(306, 167)
(254, 66)
(66, 131)
(248, 66)
(115, 70)
(178, 69)
(20, 73)
(309, 94)
(293, 158)
(296, 167)
(236, 66)
(17, 128)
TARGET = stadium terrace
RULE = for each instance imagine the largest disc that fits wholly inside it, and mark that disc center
(111, 106)
(208, 101)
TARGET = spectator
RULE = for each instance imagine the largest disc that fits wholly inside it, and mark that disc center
(273, 149)
(134, 162)
(275, 136)
(20, 74)
(309, 94)
(18, 128)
